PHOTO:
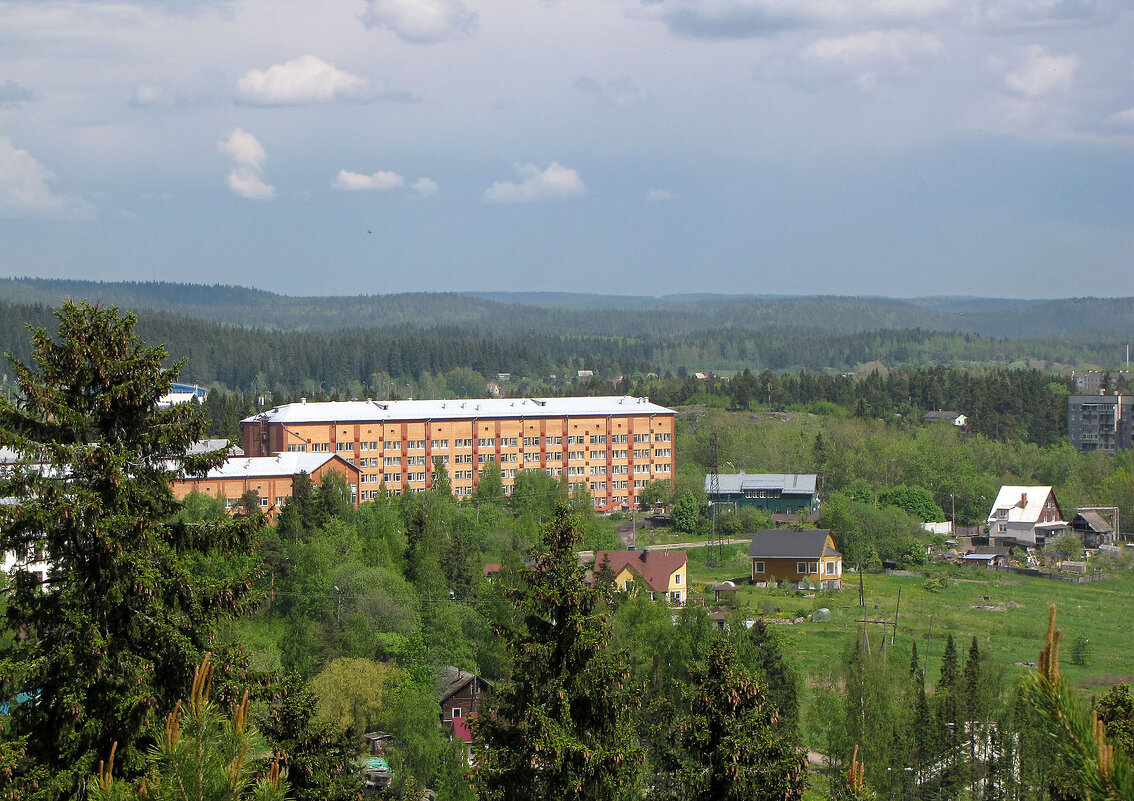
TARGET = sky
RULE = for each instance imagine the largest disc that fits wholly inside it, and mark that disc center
(649, 147)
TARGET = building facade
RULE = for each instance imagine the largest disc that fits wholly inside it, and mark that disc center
(1100, 422)
(614, 445)
(796, 555)
(661, 572)
(778, 493)
(1026, 515)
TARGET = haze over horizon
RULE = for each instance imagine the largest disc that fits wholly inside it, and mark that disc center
(890, 148)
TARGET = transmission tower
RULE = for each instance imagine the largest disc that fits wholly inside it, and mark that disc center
(714, 495)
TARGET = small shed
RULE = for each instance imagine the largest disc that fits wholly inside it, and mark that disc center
(1093, 528)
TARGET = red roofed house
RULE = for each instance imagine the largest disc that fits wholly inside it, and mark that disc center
(666, 572)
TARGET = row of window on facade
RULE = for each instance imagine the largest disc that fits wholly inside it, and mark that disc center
(802, 568)
(481, 442)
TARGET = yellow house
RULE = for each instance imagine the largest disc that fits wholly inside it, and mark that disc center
(665, 572)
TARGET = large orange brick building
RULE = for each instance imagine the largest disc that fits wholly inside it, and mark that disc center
(272, 477)
(615, 445)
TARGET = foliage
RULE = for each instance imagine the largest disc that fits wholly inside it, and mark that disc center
(1088, 766)
(1115, 709)
(560, 726)
(732, 749)
(129, 601)
(319, 759)
(686, 512)
(349, 693)
(762, 649)
(913, 500)
(200, 757)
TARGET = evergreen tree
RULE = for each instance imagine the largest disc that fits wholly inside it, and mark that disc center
(560, 727)
(732, 748)
(778, 680)
(111, 632)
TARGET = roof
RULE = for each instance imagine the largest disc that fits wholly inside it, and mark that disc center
(453, 679)
(788, 483)
(380, 411)
(282, 464)
(1096, 522)
(940, 415)
(655, 567)
(787, 543)
(1024, 504)
(208, 445)
(991, 550)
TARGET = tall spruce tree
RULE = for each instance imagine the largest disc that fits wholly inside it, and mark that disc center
(560, 727)
(732, 747)
(108, 637)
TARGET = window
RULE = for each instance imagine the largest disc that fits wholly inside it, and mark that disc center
(229, 503)
(675, 596)
(344, 446)
(801, 568)
(396, 445)
(830, 568)
(486, 442)
(438, 443)
(279, 500)
(812, 567)
(508, 442)
(1002, 528)
(644, 453)
(457, 712)
(661, 453)
(758, 567)
(264, 502)
(677, 578)
(598, 439)
(641, 437)
(321, 447)
(531, 442)
(297, 448)
(555, 440)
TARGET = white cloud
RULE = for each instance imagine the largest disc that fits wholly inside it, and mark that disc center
(356, 181)
(307, 79)
(554, 183)
(1041, 73)
(871, 46)
(25, 188)
(1124, 117)
(660, 195)
(248, 156)
(421, 21)
(426, 187)
(870, 54)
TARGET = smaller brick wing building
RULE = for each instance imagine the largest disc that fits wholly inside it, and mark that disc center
(272, 477)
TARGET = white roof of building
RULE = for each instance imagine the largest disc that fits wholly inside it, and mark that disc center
(1024, 504)
(380, 411)
(788, 483)
(282, 464)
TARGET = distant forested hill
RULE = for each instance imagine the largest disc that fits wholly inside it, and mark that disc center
(1080, 320)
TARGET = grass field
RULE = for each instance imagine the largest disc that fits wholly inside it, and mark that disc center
(1009, 630)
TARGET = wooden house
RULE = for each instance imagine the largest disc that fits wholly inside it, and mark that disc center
(793, 554)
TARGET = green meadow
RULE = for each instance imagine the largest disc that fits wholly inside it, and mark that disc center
(1006, 612)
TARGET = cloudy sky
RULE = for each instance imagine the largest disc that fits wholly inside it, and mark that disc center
(892, 147)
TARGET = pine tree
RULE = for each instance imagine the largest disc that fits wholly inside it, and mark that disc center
(560, 727)
(110, 634)
(732, 748)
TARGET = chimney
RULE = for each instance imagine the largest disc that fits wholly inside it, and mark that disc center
(1023, 499)
(303, 400)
